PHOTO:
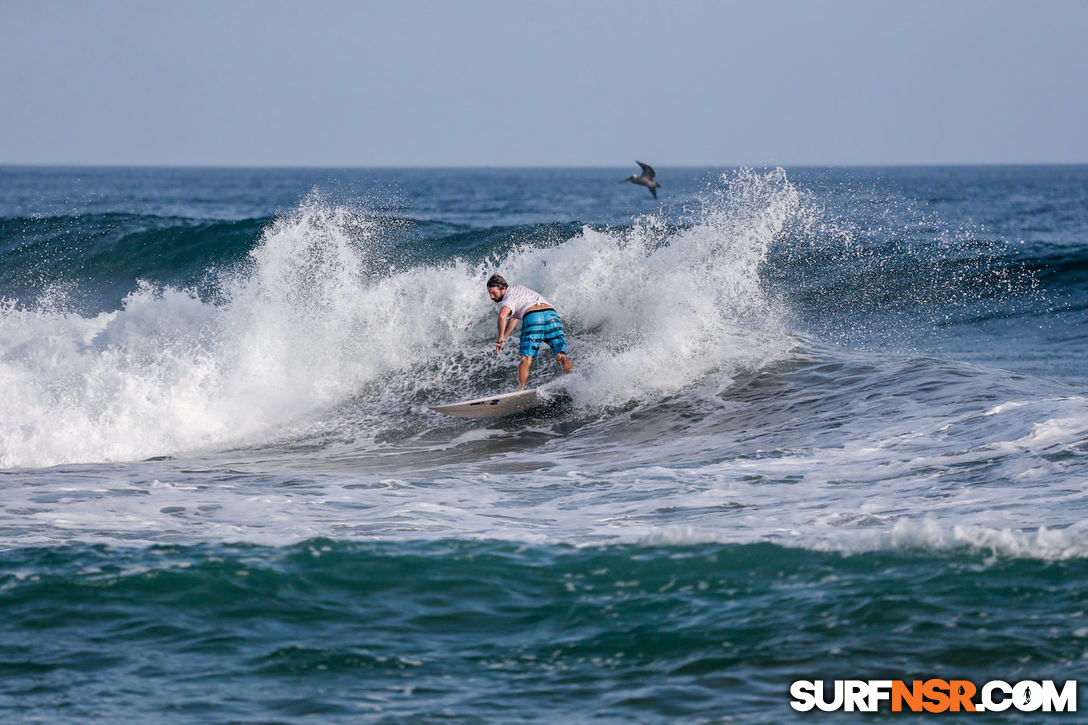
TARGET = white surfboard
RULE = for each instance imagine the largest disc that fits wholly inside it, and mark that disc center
(490, 407)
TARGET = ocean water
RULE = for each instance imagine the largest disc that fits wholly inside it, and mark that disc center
(824, 423)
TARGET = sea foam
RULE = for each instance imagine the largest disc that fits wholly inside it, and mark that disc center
(310, 320)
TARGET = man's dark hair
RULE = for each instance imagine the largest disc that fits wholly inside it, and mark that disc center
(497, 281)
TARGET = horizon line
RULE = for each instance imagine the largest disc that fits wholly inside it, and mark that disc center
(484, 167)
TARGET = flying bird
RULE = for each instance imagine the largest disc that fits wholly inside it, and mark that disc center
(645, 179)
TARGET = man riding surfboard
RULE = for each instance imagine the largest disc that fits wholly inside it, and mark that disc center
(540, 323)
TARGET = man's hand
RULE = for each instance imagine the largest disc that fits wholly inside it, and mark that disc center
(498, 345)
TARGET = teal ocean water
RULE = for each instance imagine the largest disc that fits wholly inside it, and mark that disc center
(823, 424)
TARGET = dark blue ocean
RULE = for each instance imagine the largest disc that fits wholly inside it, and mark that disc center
(824, 423)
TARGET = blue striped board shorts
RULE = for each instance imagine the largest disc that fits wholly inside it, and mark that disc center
(542, 326)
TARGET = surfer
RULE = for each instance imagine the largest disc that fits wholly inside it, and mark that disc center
(540, 323)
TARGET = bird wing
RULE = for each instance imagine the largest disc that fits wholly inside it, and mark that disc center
(647, 170)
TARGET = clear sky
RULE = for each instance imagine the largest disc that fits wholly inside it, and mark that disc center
(519, 83)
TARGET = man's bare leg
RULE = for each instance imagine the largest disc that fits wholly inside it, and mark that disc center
(523, 371)
(565, 363)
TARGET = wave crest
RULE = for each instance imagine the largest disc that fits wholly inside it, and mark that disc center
(319, 312)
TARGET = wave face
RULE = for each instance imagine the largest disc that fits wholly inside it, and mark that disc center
(823, 410)
(319, 308)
